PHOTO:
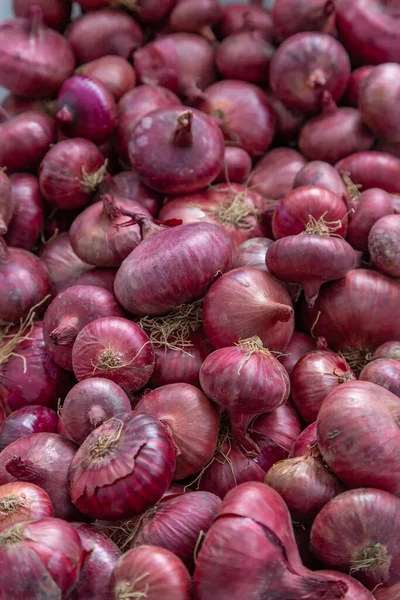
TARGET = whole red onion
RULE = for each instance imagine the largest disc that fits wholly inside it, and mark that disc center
(288, 123)
(304, 66)
(384, 244)
(152, 11)
(355, 81)
(247, 119)
(371, 206)
(122, 468)
(89, 404)
(56, 13)
(236, 166)
(52, 556)
(21, 501)
(133, 106)
(206, 244)
(245, 56)
(299, 345)
(28, 215)
(245, 302)
(27, 420)
(291, 16)
(102, 32)
(322, 175)
(252, 252)
(384, 372)
(35, 59)
(114, 72)
(127, 184)
(196, 16)
(191, 420)
(388, 350)
(236, 17)
(70, 173)
(357, 532)
(42, 459)
(7, 202)
(152, 572)
(372, 169)
(306, 441)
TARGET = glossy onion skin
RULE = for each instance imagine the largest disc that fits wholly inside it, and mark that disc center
(32, 503)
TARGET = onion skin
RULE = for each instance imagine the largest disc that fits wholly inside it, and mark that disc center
(384, 372)
(244, 56)
(348, 304)
(299, 345)
(127, 184)
(28, 215)
(89, 404)
(56, 13)
(31, 503)
(322, 175)
(191, 420)
(27, 420)
(68, 314)
(114, 72)
(195, 16)
(371, 206)
(304, 66)
(258, 305)
(236, 167)
(166, 575)
(103, 278)
(141, 295)
(372, 169)
(388, 350)
(127, 477)
(355, 81)
(384, 245)
(252, 252)
(305, 442)
(346, 441)
(236, 17)
(291, 16)
(340, 543)
(387, 593)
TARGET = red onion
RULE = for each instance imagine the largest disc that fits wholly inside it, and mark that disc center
(236, 17)
(122, 468)
(116, 349)
(347, 441)
(25, 139)
(180, 62)
(384, 372)
(103, 32)
(28, 216)
(246, 116)
(101, 555)
(304, 66)
(7, 202)
(388, 350)
(20, 501)
(355, 81)
(103, 278)
(42, 459)
(85, 108)
(127, 184)
(358, 313)
(164, 138)
(195, 16)
(305, 442)
(305, 484)
(251, 547)
(288, 123)
(191, 420)
(311, 258)
(233, 207)
(293, 213)
(322, 175)
(169, 287)
(369, 29)
(89, 404)
(315, 375)
(236, 167)
(35, 59)
(63, 265)
(372, 170)
(68, 314)
(133, 106)
(384, 244)
(371, 206)
(56, 13)
(291, 16)
(245, 302)
(334, 134)
(274, 175)
(24, 283)
(252, 252)
(70, 173)
(51, 555)
(274, 433)
(299, 345)
(245, 56)
(152, 11)
(28, 375)
(152, 573)
(114, 72)
(357, 532)
(97, 235)
(27, 420)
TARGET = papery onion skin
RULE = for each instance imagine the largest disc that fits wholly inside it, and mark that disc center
(236, 167)
(384, 245)
(114, 72)
(141, 295)
(384, 372)
(68, 314)
(56, 13)
(52, 556)
(372, 552)
(27, 420)
(105, 485)
(42, 459)
(89, 404)
(116, 349)
(305, 442)
(236, 17)
(101, 556)
(389, 349)
(28, 215)
(346, 441)
(362, 297)
(299, 345)
(322, 175)
(191, 420)
(304, 66)
(22, 501)
(292, 17)
(259, 305)
(166, 575)
(244, 56)
(372, 169)
(372, 205)
(252, 252)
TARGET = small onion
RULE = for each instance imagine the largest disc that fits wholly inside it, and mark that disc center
(292, 17)
(355, 81)
(384, 372)
(22, 501)
(389, 349)
(27, 420)
(114, 72)
(236, 167)
(28, 215)
(252, 252)
(371, 206)
(322, 175)
(384, 245)
(372, 169)
(244, 56)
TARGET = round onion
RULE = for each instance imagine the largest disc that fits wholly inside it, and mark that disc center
(236, 17)
(371, 206)
(89, 404)
(384, 372)
(191, 420)
(122, 468)
(388, 350)
(372, 169)
(252, 252)
(114, 72)
(292, 17)
(299, 345)
(27, 420)
(245, 56)
(322, 175)
(21, 501)
(384, 245)
(56, 13)
(236, 167)
(195, 16)
(28, 215)
(355, 81)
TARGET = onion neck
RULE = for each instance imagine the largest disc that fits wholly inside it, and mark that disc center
(110, 207)
(148, 227)
(373, 560)
(279, 313)
(90, 181)
(64, 116)
(97, 416)
(65, 334)
(317, 78)
(183, 134)
(329, 106)
(35, 19)
(25, 470)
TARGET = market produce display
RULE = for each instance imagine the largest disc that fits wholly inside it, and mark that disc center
(200, 300)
